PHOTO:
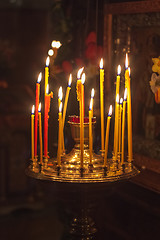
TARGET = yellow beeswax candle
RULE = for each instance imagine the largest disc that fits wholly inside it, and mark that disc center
(107, 135)
(117, 92)
(40, 133)
(129, 111)
(116, 122)
(120, 127)
(60, 96)
(102, 104)
(79, 84)
(130, 155)
(92, 99)
(66, 98)
(46, 73)
(59, 136)
(32, 132)
(90, 131)
(123, 124)
(65, 108)
(82, 120)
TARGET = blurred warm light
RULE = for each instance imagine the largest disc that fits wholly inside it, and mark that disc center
(50, 52)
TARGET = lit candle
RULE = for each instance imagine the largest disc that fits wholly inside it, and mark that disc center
(123, 123)
(36, 113)
(47, 109)
(116, 122)
(65, 107)
(129, 112)
(79, 84)
(120, 128)
(92, 99)
(59, 136)
(117, 92)
(46, 73)
(32, 133)
(66, 98)
(102, 104)
(60, 96)
(82, 120)
(90, 131)
(40, 133)
(107, 135)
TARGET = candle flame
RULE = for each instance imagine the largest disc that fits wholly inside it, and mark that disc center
(92, 93)
(70, 80)
(91, 105)
(60, 107)
(125, 94)
(47, 89)
(33, 109)
(101, 63)
(39, 107)
(60, 93)
(80, 72)
(121, 100)
(39, 77)
(117, 98)
(110, 110)
(83, 78)
(126, 61)
(50, 52)
(129, 70)
(56, 44)
(47, 61)
(119, 70)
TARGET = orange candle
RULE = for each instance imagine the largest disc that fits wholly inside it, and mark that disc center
(36, 113)
(46, 116)
(82, 120)
(32, 132)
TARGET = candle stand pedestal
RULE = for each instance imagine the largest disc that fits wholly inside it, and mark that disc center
(83, 186)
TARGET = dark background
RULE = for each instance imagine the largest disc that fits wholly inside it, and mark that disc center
(31, 209)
